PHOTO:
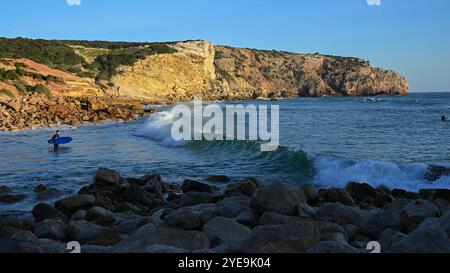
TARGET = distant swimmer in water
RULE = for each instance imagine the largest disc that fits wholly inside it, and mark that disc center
(444, 118)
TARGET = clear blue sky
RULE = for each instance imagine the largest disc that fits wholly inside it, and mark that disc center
(410, 36)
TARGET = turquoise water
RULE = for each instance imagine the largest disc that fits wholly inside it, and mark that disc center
(327, 141)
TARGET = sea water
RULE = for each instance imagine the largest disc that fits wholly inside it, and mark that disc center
(328, 141)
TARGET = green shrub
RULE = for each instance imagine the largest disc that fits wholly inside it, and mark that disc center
(11, 75)
(7, 92)
(42, 89)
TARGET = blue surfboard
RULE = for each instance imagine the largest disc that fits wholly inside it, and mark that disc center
(61, 140)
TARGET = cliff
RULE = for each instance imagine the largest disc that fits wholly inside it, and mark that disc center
(170, 72)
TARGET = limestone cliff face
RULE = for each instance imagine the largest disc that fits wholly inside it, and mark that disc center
(199, 68)
(179, 76)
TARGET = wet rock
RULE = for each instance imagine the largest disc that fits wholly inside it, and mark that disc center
(42, 212)
(51, 229)
(379, 221)
(332, 232)
(274, 198)
(106, 178)
(434, 173)
(106, 237)
(388, 238)
(305, 211)
(195, 198)
(130, 226)
(429, 237)
(337, 195)
(83, 231)
(218, 179)
(40, 188)
(20, 242)
(195, 186)
(360, 192)
(79, 215)
(231, 207)
(247, 218)
(342, 214)
(49, 194)
(246, 187)
(71, 204)
(227, 233)
(184, 218)
(333, 247)
(12, 198)
(5, 189)
(52, 247)
(309, 193)
(151, 235)
(273, 218)
(287, 238)
(135, 194)
(95, 213)
(417, 211)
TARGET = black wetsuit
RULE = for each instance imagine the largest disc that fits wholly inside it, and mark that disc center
(55, 146)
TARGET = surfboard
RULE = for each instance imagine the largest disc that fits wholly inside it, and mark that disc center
(61, 140)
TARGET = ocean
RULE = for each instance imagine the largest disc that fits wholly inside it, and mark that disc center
(327, 141)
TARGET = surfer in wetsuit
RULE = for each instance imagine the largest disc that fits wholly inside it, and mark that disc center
(54, 137)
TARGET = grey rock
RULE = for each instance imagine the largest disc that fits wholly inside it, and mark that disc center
(83, 231)
(342, 214)
(388, 238)
(231, 207)
(360, 192)
(71, 204)
(227, 233)
(287, 238)
(51, 229)
(44, 211)
(429, 237)
(130, 226)
(106, 178)
(274, 198)
(195, 186)
(337, 195)
(95, 213)
(333, 247)
(151, 235)
(40, 188)
(49, 194)
(379, 221)
(79, 215)
(305, 211)
(184, 218)
(416, 211)
(20, 242)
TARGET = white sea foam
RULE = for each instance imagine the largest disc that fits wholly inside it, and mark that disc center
(158, 127)
(337, 172)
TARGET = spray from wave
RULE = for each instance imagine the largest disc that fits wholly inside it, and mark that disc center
(297, 166)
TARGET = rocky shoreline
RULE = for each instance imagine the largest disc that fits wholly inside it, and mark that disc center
(38, 110)
(147, 215)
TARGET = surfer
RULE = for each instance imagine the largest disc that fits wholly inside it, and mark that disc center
(444, 118)
(54, 137)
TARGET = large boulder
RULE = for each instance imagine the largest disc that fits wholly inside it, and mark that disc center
(96, 213)
(184, 218)
(333, 247)
(49, 194)
(136, 194)
(360, 192)
(309, 193)
(12, 198)
(83, 231)
(429, 237)
(388, 238)
(151, 235)
(226, 233)
(21, 242)
(337, 195)
(231, 207)
(196, 198)
(51, 229)
(106, 178)
(71, 204)
(379, 221)
(287, 238)
(416, 211)
(128, 227)
(434, 173)
(195, 186)
(274, 198)
(342, 214)
(44, 211)
(246, 187)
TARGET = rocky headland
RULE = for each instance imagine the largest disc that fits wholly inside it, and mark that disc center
(48, 82)
(147, 215)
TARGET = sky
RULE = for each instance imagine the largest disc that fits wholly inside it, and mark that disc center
(409, 36)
